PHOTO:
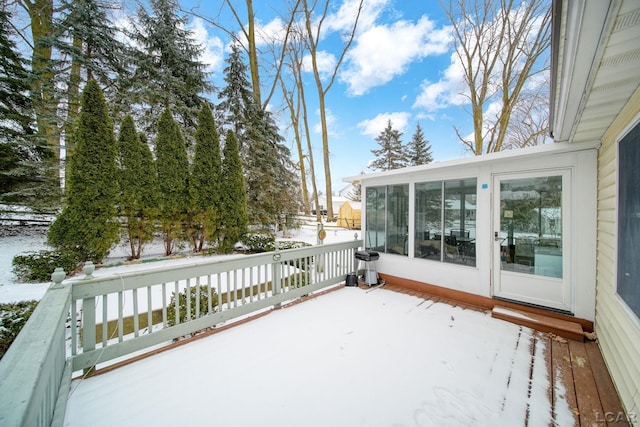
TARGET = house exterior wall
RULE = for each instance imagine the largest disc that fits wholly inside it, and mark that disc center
(617, 327)
(580, 159)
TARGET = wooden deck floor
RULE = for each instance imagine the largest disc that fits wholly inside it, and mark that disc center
(576, 370)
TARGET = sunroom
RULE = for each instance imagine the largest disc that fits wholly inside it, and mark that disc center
(516, 226)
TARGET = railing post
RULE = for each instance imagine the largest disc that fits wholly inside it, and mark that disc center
(276, 276)
(88, 317)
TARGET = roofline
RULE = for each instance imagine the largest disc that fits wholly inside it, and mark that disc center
(545, 149)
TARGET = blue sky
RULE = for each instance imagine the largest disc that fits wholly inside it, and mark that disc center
(399, 68)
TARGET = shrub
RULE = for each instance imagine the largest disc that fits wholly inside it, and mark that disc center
(259, 241)
(38, 266)
(13, 316)
(204, 304)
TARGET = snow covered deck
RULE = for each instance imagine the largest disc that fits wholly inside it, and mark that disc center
(353, 357)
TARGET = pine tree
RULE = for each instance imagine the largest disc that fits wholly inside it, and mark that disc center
(89, 48)
(272, 186)
(390, 155)
(138, 180)
(204, 184)
(21, 172)
(87, 227)
(233, 196)
(236, 97)
(173, 178)
(418, 150)
(168, 71)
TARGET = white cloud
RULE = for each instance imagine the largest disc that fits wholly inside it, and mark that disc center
(451, 89)
(331, 123)
(213, 53)
(373, 127)
(385, 51)
(326, 62)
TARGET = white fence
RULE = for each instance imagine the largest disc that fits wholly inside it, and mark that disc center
(83, 323)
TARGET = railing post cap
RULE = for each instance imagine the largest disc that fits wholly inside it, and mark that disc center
(57, 277)
(88, 269)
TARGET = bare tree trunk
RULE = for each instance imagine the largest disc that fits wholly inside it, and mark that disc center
(313, 38)
(42, 86)
(499, 44)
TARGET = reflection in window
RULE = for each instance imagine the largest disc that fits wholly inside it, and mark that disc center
(446, 231)
(387, 219)
(398, 219)
(375, 213)
(531, 225)
(629, 220)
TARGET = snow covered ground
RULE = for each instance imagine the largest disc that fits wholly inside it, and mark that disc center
(17, 240)
(348, 358)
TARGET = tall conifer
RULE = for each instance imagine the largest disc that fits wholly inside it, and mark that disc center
(204, 183)
(138, 178)
(234, 195)
(390, 155)
(87, 226)
(173, 178)
(418, 150)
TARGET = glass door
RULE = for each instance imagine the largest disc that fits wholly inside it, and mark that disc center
(531, 233)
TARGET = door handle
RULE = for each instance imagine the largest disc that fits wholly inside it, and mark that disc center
(496, 237)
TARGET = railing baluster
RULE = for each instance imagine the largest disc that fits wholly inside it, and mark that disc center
(197, 297)
(120, 316)
(73, 315)
(105, 320)
(136, 323)
(210, 306)
(164, 305)
(188, 294)
(88, 324)
(149, 311)
(177, 302)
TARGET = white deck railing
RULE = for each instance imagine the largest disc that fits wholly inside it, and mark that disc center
(83, 323)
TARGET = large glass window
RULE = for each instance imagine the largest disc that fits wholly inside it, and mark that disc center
(375, 221)
(446, 221)
(629, 220)
(531, 225)
(387, 219)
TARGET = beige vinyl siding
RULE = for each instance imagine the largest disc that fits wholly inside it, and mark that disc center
(617, 326)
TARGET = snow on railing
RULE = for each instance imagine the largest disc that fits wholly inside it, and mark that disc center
(113, 316)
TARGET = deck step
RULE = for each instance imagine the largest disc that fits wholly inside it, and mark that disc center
(563, 328)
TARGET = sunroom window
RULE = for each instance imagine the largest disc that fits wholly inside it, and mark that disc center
(387, 219)
(446, 221)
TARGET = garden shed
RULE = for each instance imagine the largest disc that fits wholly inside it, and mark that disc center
(349, 215)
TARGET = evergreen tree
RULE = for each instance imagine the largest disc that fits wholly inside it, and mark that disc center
(173, 178)
(138, 179)
(233, 196)
(204, 184)
(89, 48)
(236, 97)
(272, 186)
(21, 172)
(87, 226)
(418, 150)
(390, 155)
(168, 73)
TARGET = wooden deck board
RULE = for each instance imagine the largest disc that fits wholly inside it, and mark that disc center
(611, 405)
(576, 371)
(591, 412)
(562, 377)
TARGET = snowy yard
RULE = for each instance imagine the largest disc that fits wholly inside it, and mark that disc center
(351, 357)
